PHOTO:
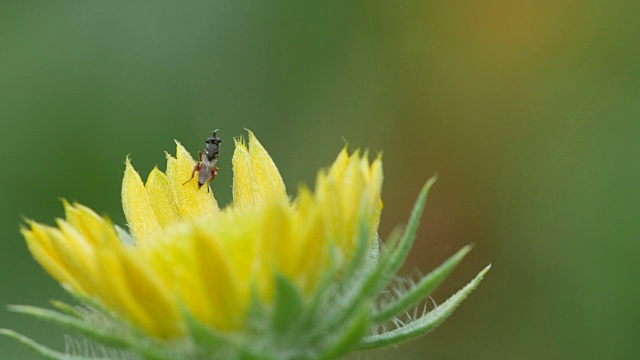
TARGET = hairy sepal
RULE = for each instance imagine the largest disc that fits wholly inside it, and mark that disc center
(113, 335)
(207, 340)
(39, 349)
(401, 250)
(361, 292)
(348, 338)
(420, 291)
(424, 324)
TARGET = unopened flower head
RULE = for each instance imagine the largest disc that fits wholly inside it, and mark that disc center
(267, 276)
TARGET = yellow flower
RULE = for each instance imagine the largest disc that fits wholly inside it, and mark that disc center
(267, 277)
(190, 253)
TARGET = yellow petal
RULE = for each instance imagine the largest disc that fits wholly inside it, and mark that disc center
(151, 295)
(278, 247)
(76, 258)
(255, 177)
(265, 173)
(219, 282)
(326, 194)
(339, 164)
(162, 198)
(136, 205)
(171, 258)
(374, 188)
(310, 246)
(244, 187)
(84, 220)
(42, 250)
(238, 232)
(118, 296)
(350, 186)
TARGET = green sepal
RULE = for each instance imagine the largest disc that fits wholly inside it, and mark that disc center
(373, 255)
(406, 242)
(349, 337)
(122, 340)
(257, 313)
(203, 335)
(362, 292)
(363, 246)
(39, 349)
(424, 324)
(67, 309)
(250, 354)
(326, 281)
(422, 289)
(71, 323)
(95, 305)
(288, 307)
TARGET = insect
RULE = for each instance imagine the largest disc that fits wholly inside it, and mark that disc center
(206, 166)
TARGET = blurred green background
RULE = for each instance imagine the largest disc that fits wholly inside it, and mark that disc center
(528, 111)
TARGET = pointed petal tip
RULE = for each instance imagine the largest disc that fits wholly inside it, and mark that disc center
(129, 171)
(24, 230)
(34, 224)
(345, 148)
(253, 142)
(240, 142)
(252, 139)
(60, 223)
(182, 152)
(153, 173)
(26, 220)
(304, 189)
(128, 166)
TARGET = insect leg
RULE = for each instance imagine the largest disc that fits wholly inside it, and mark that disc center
(195, 168)
(214, 172)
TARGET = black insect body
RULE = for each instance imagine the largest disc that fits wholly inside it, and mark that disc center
(206, 166)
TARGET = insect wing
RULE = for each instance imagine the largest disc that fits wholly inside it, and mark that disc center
(204, 175)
